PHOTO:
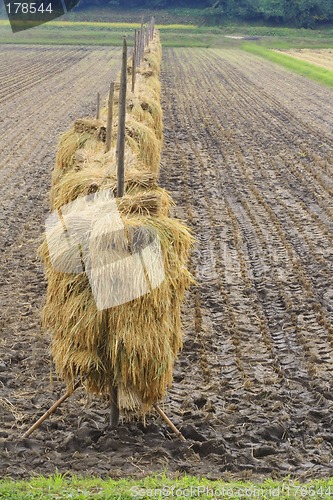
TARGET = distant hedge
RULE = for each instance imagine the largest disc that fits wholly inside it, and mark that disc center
(296, 13)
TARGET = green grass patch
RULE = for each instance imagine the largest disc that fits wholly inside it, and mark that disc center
(93, 25)
(276, 31)
(108, 34)
(281, 37)
(159, 487)
(178, 27)
(321, 75)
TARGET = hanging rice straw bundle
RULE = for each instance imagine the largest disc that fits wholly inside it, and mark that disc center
(149, 87)
(90, 179)
(69, 143)
(116, 267)
(134, 345)
(148, 111)
(148, 145)
(151, 64)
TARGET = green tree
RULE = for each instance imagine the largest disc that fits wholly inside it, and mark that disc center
(300, 13)
(307, 13)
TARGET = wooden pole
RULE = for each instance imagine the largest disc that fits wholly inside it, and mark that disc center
(134, 63)
(51, 410)
(114, 414)
(153, 22)
(133, 71)
(142, 38)
(137, 47)
(147, 35)
(98, 105)
(168, 421)
(114, 410)
(109, 119)
(141, 44)
(122, 123)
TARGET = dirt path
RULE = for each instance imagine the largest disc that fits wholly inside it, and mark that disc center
(247, 158)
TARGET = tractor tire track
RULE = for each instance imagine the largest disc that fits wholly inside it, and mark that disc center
(247, 158)
(268, 229)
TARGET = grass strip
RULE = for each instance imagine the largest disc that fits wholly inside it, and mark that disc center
(106, 34)
(161, 486)
(117, 26)
(304, 68)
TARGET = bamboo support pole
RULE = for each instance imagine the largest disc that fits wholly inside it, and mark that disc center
(109, 119)
(168, 421)
(114, 409)
(51, 410)
(122, 123)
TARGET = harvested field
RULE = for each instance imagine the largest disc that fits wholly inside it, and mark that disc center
(320, 57)
(248, 160)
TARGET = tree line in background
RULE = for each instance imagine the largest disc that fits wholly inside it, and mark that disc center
(299, 13)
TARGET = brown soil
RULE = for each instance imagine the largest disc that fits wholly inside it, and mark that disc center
(247, 158)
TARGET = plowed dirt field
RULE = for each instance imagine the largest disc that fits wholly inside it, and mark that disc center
(248, 160)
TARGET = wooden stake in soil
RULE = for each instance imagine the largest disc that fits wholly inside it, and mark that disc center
(151, 29)
(138, 50)
(109, 119)
(114, 409)
(134, 63)
(147, 36)
(135, 48)
(122, 123)
(51, 410)
(114, 413)
(98, 105)
(142, 44)
(153, 26)
(168, 421)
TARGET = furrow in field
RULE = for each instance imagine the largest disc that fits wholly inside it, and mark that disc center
(277, 210)
(19, 138)
(29, 145)
(264, 230)
(289, 90)
(317, 198)
(228, 259)
(247, 158)
(265, 107)
(33, 69)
